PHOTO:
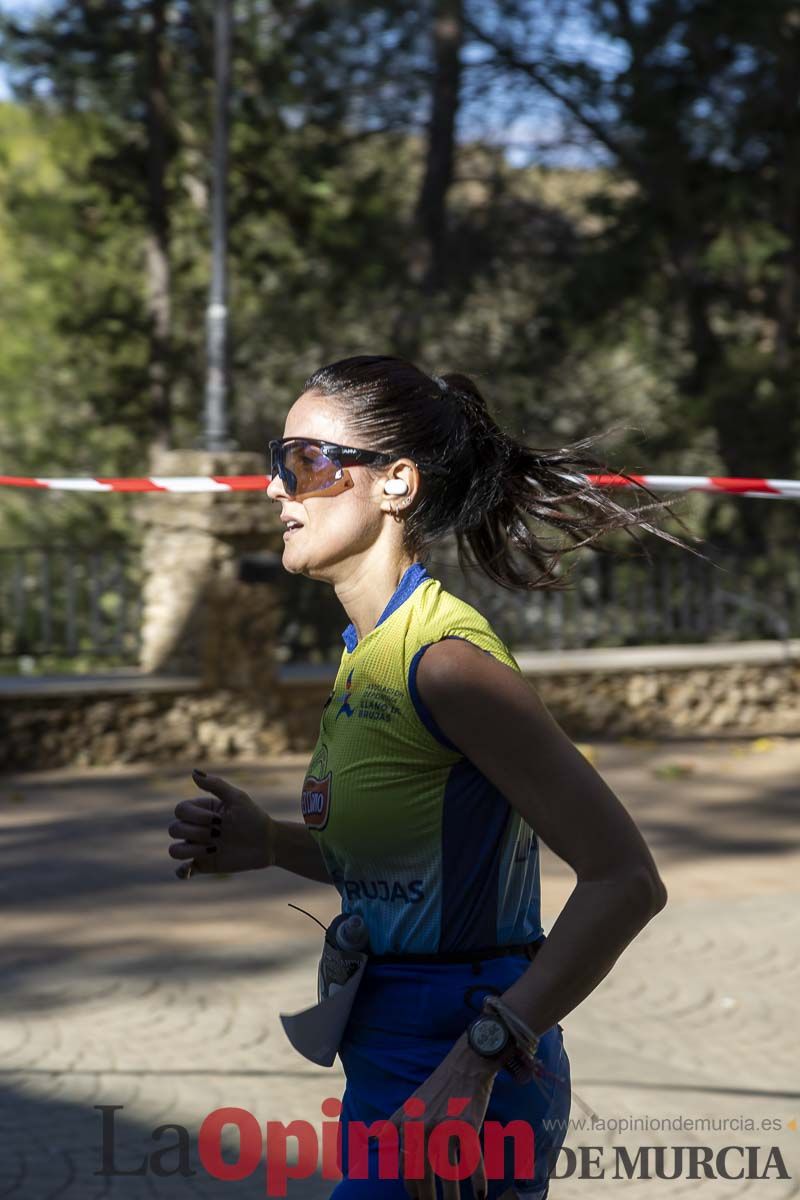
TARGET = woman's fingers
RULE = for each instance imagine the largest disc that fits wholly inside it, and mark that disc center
(199, 812)
(201, 859)
(190, 850)
(451, 1188)
(199, 825)
(426, 1188)
(480, 1187)
(418, 1189)
(409, 1184)
(219, 787)
(194, 833)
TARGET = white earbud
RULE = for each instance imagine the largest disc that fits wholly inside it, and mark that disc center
(395, 487)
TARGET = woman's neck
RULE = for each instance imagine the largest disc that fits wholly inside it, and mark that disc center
(368, 588)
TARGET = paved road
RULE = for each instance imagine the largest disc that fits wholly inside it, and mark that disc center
(123, 986)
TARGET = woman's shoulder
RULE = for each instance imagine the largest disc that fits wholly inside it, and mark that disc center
(441, 614)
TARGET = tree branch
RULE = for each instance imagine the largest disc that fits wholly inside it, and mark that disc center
(537, 75)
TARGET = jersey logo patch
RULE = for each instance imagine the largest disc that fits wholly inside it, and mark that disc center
(315, 801)
(345, 705)
(377, 702)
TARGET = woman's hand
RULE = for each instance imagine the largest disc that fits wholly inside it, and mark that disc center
(458, 1090)
(226, 831)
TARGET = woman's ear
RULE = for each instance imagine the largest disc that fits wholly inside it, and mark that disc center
(399, 486)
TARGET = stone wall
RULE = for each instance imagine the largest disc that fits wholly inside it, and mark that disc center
(648, 692)
(746, 700)
(742, 688)
(135, 720)
(745, 690)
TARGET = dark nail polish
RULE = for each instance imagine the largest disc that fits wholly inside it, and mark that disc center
(216, 832)
(211, 849)
(216, 820)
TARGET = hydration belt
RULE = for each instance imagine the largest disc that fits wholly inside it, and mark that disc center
(528, 949)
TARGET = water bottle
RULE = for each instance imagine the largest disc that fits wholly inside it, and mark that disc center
(352, 933)
(347, 934)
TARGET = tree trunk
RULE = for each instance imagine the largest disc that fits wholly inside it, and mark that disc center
(431, 214)
(429, 243)
(157, 263)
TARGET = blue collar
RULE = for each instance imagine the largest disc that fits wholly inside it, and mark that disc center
(412, 577)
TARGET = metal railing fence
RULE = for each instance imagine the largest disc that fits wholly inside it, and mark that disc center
(612, 600)
(67, 604)
(63, 603)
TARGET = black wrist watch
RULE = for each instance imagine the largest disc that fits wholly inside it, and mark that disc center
(488, 1036)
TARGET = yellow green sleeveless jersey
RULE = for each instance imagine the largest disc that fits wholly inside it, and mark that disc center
(415, 838)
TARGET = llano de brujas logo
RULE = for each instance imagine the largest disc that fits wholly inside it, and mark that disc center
(377, 702)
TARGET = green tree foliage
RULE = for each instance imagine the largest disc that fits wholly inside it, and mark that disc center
(72, 334)
(378, 201)
(694, 106)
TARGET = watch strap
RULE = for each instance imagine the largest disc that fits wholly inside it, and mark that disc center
(520, 1057)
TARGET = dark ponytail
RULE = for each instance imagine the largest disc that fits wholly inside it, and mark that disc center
(492, 482)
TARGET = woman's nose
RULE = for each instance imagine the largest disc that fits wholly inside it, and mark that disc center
(275, 489)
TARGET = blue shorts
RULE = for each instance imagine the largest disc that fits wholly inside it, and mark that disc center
(405, 1019)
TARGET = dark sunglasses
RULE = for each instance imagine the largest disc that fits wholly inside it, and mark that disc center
(312, 468)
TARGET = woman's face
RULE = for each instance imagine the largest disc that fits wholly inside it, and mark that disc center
(334, 528)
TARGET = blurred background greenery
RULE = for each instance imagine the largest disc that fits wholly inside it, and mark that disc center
(590, 206)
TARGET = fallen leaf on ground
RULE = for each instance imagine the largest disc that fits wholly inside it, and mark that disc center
(673, 770)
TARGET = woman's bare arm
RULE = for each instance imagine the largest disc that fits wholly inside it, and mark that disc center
(499, 722)
(292, 846)
(232, 833)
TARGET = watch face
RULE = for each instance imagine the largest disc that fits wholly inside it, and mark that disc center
(488, 1036)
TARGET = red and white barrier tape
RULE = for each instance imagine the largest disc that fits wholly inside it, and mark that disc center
(773, 489)
(155, 483)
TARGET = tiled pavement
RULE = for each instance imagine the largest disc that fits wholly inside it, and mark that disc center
(123, 986)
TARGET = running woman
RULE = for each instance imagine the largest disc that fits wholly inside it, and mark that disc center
(437, 769)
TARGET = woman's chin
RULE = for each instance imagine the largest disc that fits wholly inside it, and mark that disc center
(292, 562)
(299, 564)
(298, 561)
